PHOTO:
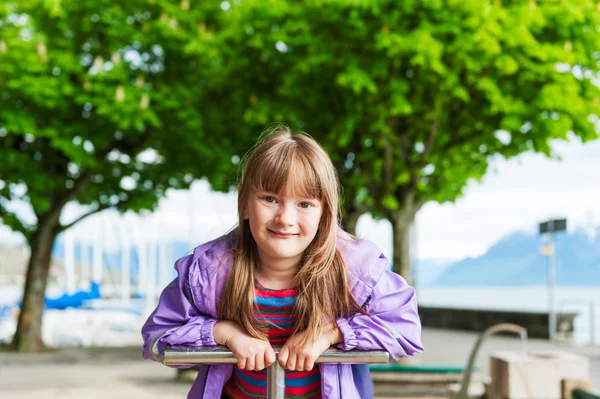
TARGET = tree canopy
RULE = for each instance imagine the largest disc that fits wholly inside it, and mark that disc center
(99, 104)
(412, 98)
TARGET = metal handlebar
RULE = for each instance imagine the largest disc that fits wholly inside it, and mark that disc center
(275, 373)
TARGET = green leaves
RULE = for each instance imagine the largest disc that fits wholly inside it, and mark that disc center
(414, 85)
(389, 202)
(54, 8)
(357, 80)
(415, 91)
(506, 65)
(88, 86)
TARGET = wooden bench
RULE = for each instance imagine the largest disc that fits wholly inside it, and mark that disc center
(576, 389)
(417, 381)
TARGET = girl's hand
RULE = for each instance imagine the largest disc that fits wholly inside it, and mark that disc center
(292, 356)
(252, 354)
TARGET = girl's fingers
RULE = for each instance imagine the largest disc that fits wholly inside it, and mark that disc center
(308, 364)
(283, 356)
(250, 363)
(269, 357)
(241, 363)
(259, 362)
(299, 363)
(291, 362)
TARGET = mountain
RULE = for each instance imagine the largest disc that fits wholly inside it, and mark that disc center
(428, 270)
(516, 260)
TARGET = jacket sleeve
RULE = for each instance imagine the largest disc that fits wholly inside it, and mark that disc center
(176, 320)
(393, 324)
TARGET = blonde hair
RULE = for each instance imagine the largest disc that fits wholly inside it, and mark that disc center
(324, 292)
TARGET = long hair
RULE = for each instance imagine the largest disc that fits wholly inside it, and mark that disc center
(324, 294)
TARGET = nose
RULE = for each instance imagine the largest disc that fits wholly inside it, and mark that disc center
(285, 215)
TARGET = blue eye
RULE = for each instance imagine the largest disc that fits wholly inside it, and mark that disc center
(270, 199)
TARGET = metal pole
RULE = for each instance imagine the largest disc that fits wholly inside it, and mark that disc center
(275, 373)
(275, 381)
(222, 355)
(592, 323)
(551, 278)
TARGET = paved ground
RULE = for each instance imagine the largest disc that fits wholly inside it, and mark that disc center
(120, 373)
(83, 374)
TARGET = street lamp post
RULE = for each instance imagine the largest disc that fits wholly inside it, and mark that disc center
(549, 228)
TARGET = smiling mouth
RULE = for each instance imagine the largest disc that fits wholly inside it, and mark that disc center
(280, 234)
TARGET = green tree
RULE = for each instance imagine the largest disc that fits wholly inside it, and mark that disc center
(412, 98)
(98, 105)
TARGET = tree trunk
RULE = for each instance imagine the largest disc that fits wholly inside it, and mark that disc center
(401, 220)
(350, 214)
(350, 221)
(28, 337)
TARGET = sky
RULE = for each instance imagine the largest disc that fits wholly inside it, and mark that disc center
(515, 195)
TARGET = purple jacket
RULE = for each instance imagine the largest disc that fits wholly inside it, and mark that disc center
(187, 312)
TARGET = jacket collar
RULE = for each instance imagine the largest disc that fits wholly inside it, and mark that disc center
(364, 261)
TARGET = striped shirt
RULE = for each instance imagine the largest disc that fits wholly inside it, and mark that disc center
(274, 306)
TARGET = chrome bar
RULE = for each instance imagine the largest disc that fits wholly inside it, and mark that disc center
(222, 355)
(275, 373)
(275, 381)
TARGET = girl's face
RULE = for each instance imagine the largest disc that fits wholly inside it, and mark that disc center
(283, 226)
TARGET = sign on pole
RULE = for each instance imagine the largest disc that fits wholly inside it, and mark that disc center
(553, 225)
(550, 227)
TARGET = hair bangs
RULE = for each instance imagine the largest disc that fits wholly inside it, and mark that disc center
(286, 168)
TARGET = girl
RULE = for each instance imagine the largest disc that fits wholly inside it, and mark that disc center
(287, 276)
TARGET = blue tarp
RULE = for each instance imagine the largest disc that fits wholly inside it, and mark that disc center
(73, 300)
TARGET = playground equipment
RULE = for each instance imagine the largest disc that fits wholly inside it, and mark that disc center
(497, 328)
(275, 373)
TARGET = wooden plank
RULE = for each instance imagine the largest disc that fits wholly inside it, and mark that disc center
(424, 378)
(568, 385)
